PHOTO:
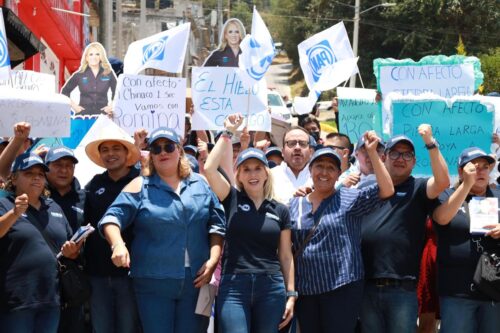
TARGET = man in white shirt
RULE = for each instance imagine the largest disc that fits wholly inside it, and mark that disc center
(293, 172)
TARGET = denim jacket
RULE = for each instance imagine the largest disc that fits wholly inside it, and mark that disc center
(165, 224)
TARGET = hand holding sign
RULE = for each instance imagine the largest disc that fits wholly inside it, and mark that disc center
(233, 121)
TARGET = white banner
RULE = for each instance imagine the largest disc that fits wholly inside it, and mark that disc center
(257, 51)
(4, 51)
(219, 91)
(327, 59)
(150, 102)
(443, 80)
(48, 114)
(164, 51)
(30, 81)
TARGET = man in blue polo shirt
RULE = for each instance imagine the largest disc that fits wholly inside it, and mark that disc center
(393, 237)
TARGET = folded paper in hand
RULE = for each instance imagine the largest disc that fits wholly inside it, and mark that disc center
(206, 298)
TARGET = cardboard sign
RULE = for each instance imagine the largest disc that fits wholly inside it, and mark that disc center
(49, 115)
(358, 112)
(30, 81)
(456, 125)
(150, 102)
(219, 91)
(443, 76)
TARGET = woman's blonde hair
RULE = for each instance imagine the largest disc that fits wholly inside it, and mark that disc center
(241, 29)
(10, 187)
(183, 167)
(268, 185)
(102, 56)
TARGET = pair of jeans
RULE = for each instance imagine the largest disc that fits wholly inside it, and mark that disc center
(250, 303)
(43, 320)
(168, 305)
(389, 309)
(113, 308)
(333, 311)
(462, 315)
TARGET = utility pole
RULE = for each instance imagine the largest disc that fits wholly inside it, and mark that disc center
(119, 30)
(219, 15)
(355, 37)
(107, 24)
(142, 20)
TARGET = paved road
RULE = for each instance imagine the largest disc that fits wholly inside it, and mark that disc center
(277, 78)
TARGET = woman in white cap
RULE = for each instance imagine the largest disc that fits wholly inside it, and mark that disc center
(178, 228)
(326, 229)
(463, 307)
(29, 287)
(257, 292)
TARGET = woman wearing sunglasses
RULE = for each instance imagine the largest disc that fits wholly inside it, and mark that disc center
(178, 228)
(256, 292)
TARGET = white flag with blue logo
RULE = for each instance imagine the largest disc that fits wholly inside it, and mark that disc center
(327, 59)
(257, 51)
(164, 51)
(4, 51)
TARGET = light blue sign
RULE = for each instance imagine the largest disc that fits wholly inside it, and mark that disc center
(464, 124)
(79, 127)
(356, 116)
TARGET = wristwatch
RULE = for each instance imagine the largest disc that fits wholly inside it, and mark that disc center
(432, 145)
(292, 293)
(227, 134)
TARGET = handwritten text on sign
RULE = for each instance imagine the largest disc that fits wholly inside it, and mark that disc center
(218, 92)
(358, 112)
(464, 124)
(48, 114)
(31, 81)
(150, 102)
(443, 80)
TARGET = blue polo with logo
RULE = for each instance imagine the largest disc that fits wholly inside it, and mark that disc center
(28, 267)
(252, 235)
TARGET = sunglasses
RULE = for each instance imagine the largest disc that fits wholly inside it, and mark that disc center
(407, 156)
(336, 147)
(157, 149)
(294, 143)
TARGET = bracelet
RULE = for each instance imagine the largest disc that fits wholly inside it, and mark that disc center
(292, 293)
(432, 145)
(117, 244)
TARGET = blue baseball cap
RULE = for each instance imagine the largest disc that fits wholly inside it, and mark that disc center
(191, 148)
(26, 161)
(397, 139)
(164, 132)
(3, 141)
(274, 151)
(361, 143)
(471, 153)
(59, 152)
(251, 153)
(326, 152)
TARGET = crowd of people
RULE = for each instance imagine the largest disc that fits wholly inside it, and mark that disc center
(303, 238)
(318, 236)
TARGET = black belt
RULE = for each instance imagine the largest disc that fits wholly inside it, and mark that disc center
(386, 282)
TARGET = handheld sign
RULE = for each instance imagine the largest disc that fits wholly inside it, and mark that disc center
(48, 114)
(150, 102)
(219, 91)
(441, 75)
(358, 112)
(456, 125)
(30, 81)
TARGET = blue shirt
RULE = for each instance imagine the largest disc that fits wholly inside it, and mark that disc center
(332, 258)
(165, 224)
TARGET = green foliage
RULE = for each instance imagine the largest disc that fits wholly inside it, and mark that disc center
(490, 66)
